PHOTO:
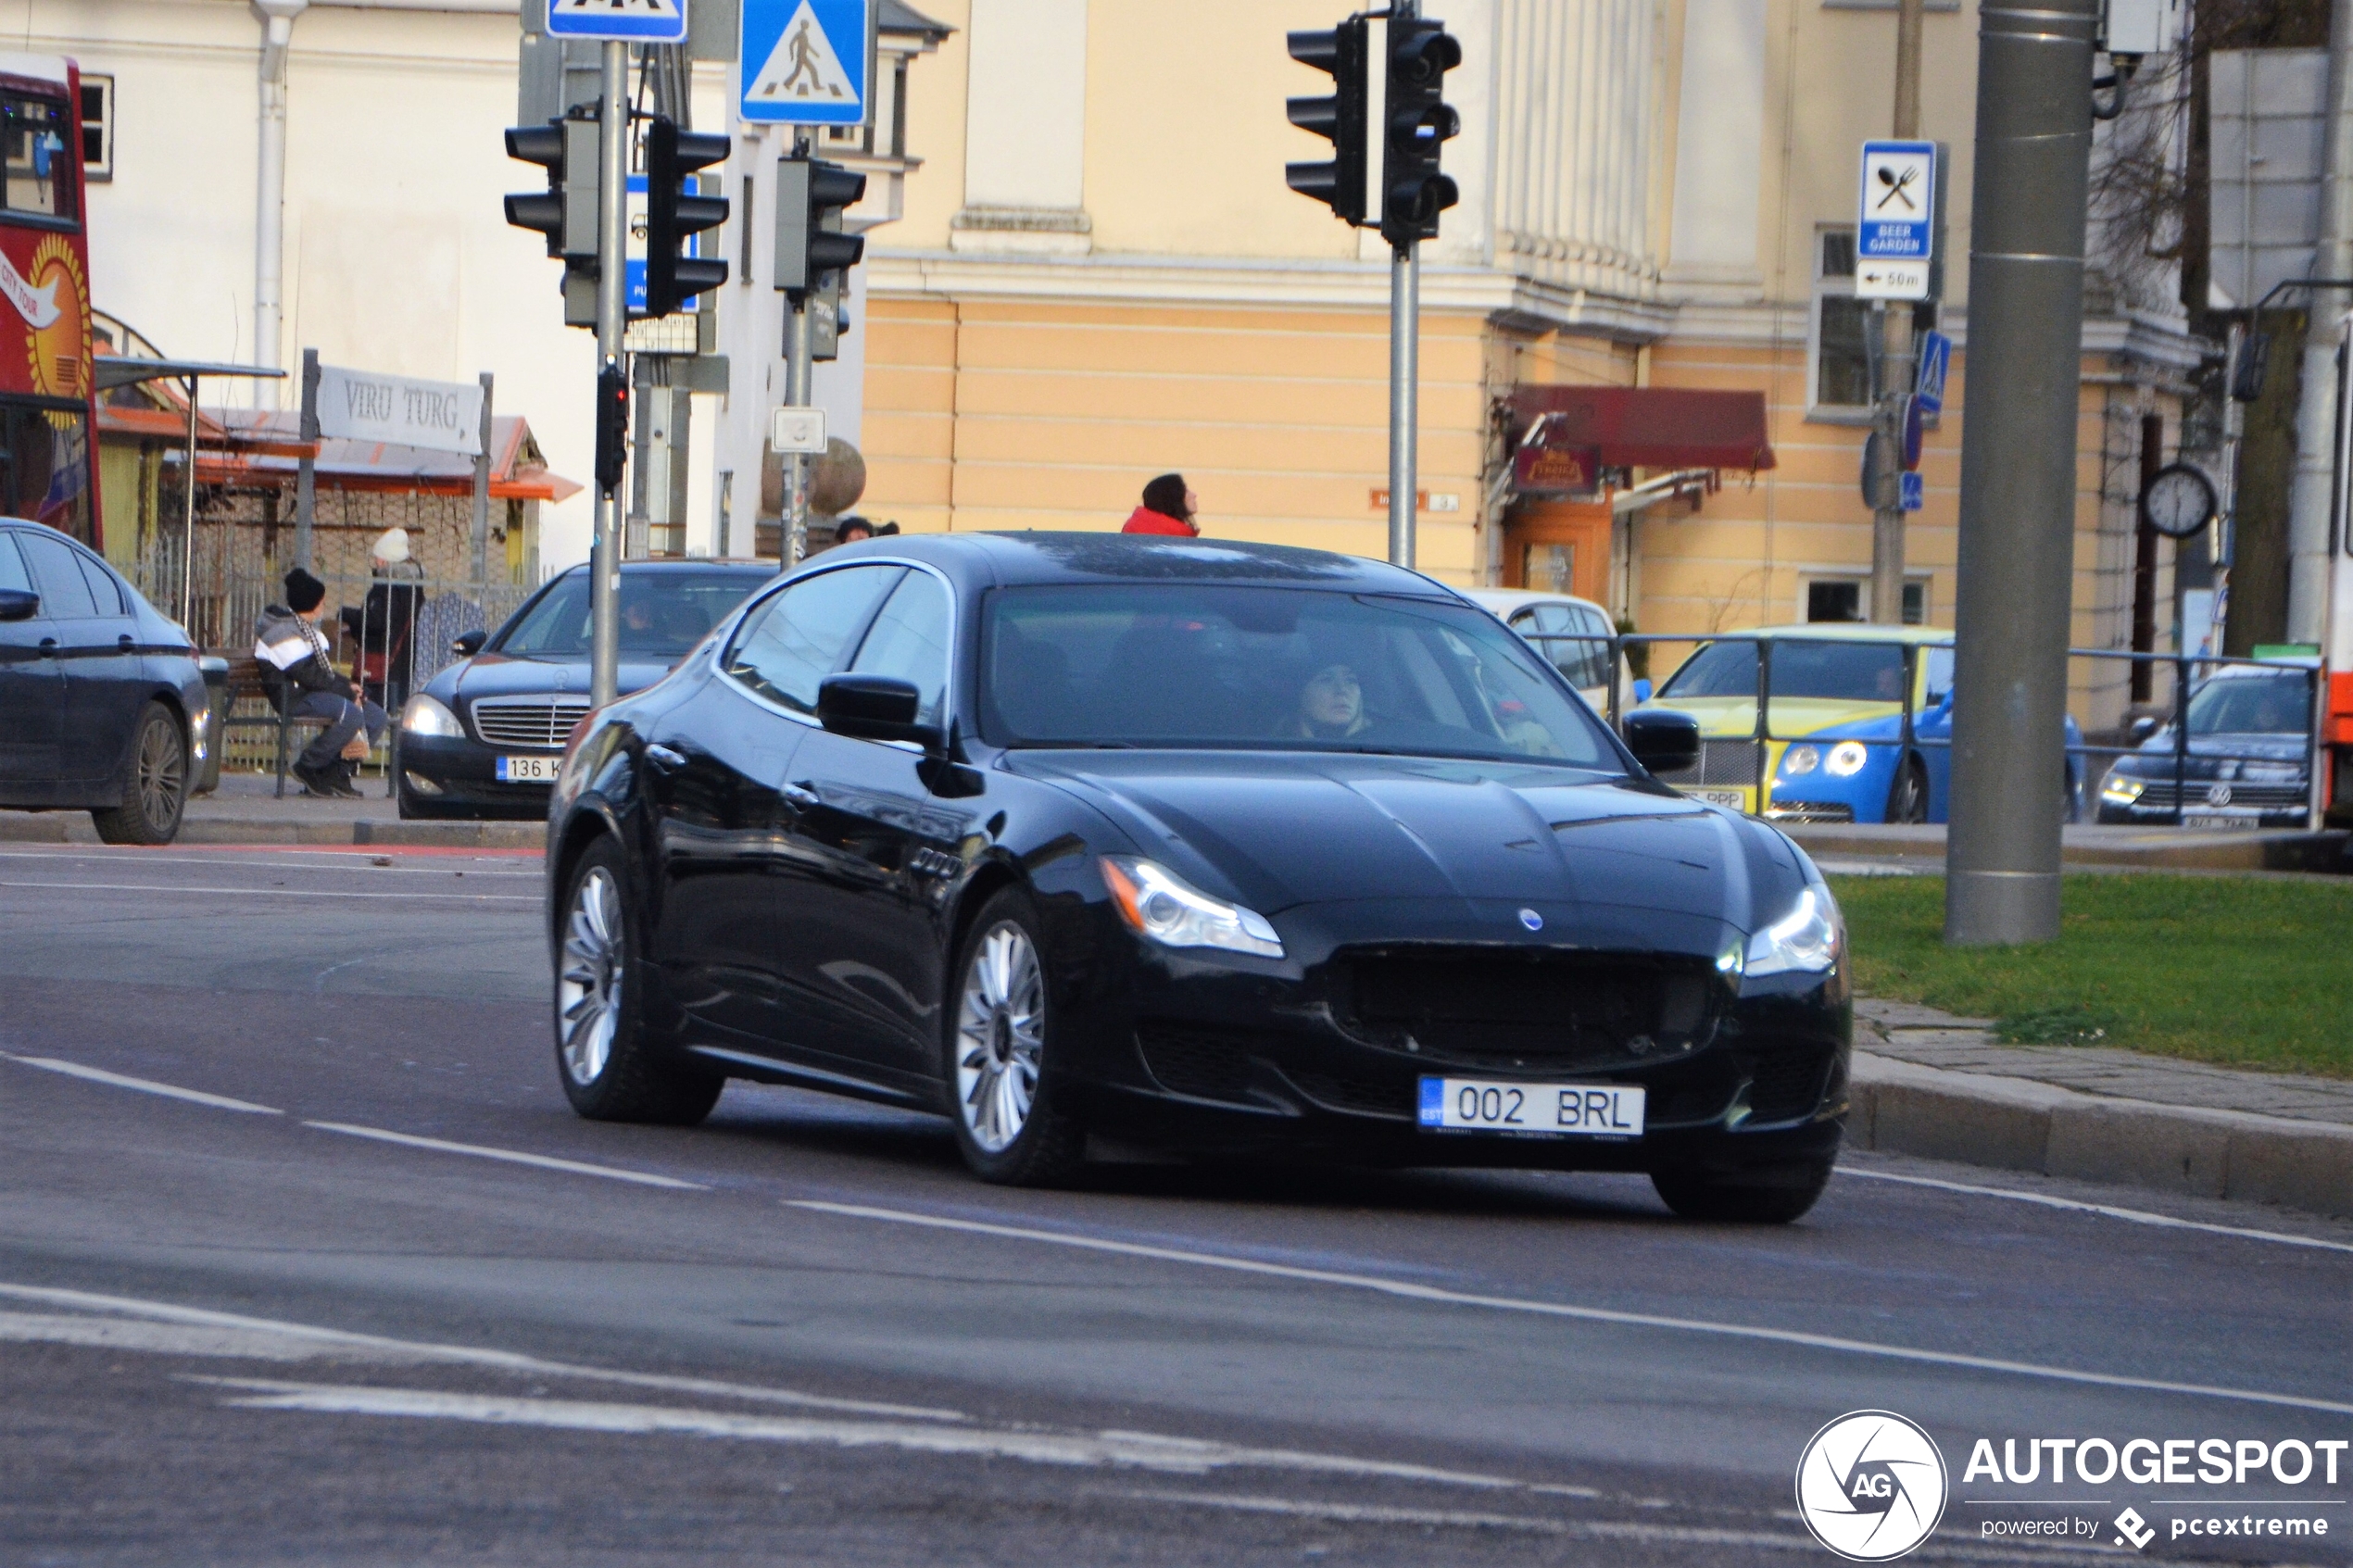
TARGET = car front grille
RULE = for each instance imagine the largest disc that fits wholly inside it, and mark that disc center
(1200, 1062)
(527, 720)
(1501, 1010)
(1809, 811)
(1723, 762)
(1786, 1085)
(2159, 795)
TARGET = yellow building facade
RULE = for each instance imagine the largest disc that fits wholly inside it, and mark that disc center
(1099, 275)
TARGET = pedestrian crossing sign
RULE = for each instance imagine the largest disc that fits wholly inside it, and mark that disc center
(806, 62)
(634, 22)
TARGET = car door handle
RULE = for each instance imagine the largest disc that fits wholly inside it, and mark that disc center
(126, 642)
(663, 758)
(801, 798)
(48, 647)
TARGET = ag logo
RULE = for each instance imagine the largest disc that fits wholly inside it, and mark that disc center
(1871, 1485)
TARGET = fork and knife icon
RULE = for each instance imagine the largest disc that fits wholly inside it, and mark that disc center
(1899, 183)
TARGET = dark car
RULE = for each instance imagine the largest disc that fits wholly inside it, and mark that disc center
(102, 704)
(1226, 850)
(483, 736)
(2247, 762)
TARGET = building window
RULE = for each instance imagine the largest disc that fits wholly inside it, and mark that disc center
(97, 127)
(1844, 599)
(1839, 372)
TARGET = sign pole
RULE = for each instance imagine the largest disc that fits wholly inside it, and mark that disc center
(1404, 345)
(307, 469)
(612, 249)
(1896, 349)
(481, 491)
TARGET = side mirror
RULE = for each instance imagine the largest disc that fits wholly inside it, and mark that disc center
(1937, 699)
(2140, 728)
(874, 707)
(469, 644)
(18, 604)
(1643, 689)
(1663, 740)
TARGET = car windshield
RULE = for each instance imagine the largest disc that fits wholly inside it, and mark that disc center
(1840, 671)
(1204, 665)
(2251, 705)
(664, 614)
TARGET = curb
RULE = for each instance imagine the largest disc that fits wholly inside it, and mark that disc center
(73, 827)
(2275, 849)
(2021, 1124)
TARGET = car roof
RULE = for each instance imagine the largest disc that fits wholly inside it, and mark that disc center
(1503, 600)
(1027, 558)
(2286, 665)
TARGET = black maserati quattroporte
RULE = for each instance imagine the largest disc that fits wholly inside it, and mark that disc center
(1097, 845)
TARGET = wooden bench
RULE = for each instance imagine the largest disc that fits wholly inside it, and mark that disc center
(244, 686)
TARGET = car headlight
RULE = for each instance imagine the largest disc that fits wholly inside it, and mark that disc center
(197, 722)
(1164, 909)
(424, 716)
(1847, 758)
(1800, 760)
(2118, 789)
(1806, 940)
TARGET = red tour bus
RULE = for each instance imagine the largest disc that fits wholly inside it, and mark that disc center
(48, 388)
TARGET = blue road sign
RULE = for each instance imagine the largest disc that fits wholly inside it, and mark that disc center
(1915, 496)
(636, 21)
(805, 62)
(1936, 359)
(1897, 217)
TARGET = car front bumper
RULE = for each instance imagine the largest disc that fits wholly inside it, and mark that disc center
(457, 775)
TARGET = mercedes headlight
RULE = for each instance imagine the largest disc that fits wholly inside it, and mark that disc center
(2120, 789)
(1806, 940)
(1158, 904)
(1847, 758)
(1800, 760)
(424, 716)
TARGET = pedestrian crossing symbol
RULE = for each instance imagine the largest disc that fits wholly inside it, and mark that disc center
(805, 62)
(637, 21)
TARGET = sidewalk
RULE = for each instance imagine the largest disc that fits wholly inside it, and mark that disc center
(246, 810)
(1929, 1083)
(2088, 846)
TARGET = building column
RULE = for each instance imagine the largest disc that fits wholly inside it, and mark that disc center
(1720, 150)
(1026, 130)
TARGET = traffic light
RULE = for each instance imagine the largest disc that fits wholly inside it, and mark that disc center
(1338, 183)
(1416, 122)
(675, 210)
(809, 244)
(613, 428)
(566, 212)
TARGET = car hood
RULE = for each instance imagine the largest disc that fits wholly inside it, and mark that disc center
(1280, 830)
(1735, 716)
(495, 675)
(2155, 754)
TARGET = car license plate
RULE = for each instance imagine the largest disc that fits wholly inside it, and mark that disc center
(1730, 799)
(528, 770)
(1476, 1105)
(2221, 819)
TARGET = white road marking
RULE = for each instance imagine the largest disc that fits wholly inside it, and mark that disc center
(274, 1339)
(511, 1156)
(2137, 1216)
(280, 892)
(1563, 1310)
(144, 1085)
(1142, 1451)
(318, 861)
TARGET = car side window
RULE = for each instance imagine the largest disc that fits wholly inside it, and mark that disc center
(12, 572)
(65, 593)
(909, 640)
(1597, 652)
(103, 591)
(789, 645)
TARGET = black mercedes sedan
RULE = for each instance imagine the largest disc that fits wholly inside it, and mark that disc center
(483, 736)
(1099, 845)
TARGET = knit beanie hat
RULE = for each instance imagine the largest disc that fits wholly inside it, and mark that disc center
(1166, 495)
(304, 592)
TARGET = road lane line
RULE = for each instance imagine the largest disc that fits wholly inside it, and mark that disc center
(1440, 1296)
(144, 1085)
(279, 892)
(511, 1156)
(1138, 1450)
(2137, 1216)
(364, 861)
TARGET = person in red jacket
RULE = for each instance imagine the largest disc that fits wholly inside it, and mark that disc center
(1169, 505)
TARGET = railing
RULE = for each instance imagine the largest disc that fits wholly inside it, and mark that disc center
(2189, 672)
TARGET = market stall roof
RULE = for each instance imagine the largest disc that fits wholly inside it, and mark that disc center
(263, 446)
(1647, 427)
(127, 370)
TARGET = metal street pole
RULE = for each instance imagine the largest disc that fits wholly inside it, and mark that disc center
(306, 466)
(1895, 351)
(481, 491)
(1405, 371)
(797, 392)
(2017, 470)
(612, 248)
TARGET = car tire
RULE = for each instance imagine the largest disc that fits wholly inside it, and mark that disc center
(1001, 1053)
(1907, 801)
(1757, 1195)
(614, 1067)
(155, 783)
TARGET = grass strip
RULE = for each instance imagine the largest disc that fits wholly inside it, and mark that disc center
(2242, 972)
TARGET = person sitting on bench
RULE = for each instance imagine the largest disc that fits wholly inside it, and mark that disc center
(298, 676)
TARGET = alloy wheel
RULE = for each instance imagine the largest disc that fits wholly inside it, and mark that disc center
(588, 990)
(163, 775)
(1001, 1034)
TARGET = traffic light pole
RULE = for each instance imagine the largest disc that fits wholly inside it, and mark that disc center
(1405, 372)
(797, 389)
(612, 250)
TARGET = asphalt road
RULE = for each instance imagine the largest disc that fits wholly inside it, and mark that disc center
(303, 1257)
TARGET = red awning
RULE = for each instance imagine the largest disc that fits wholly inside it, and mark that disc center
(1649, 427)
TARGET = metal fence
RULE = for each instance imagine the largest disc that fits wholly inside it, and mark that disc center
(1745, 763)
